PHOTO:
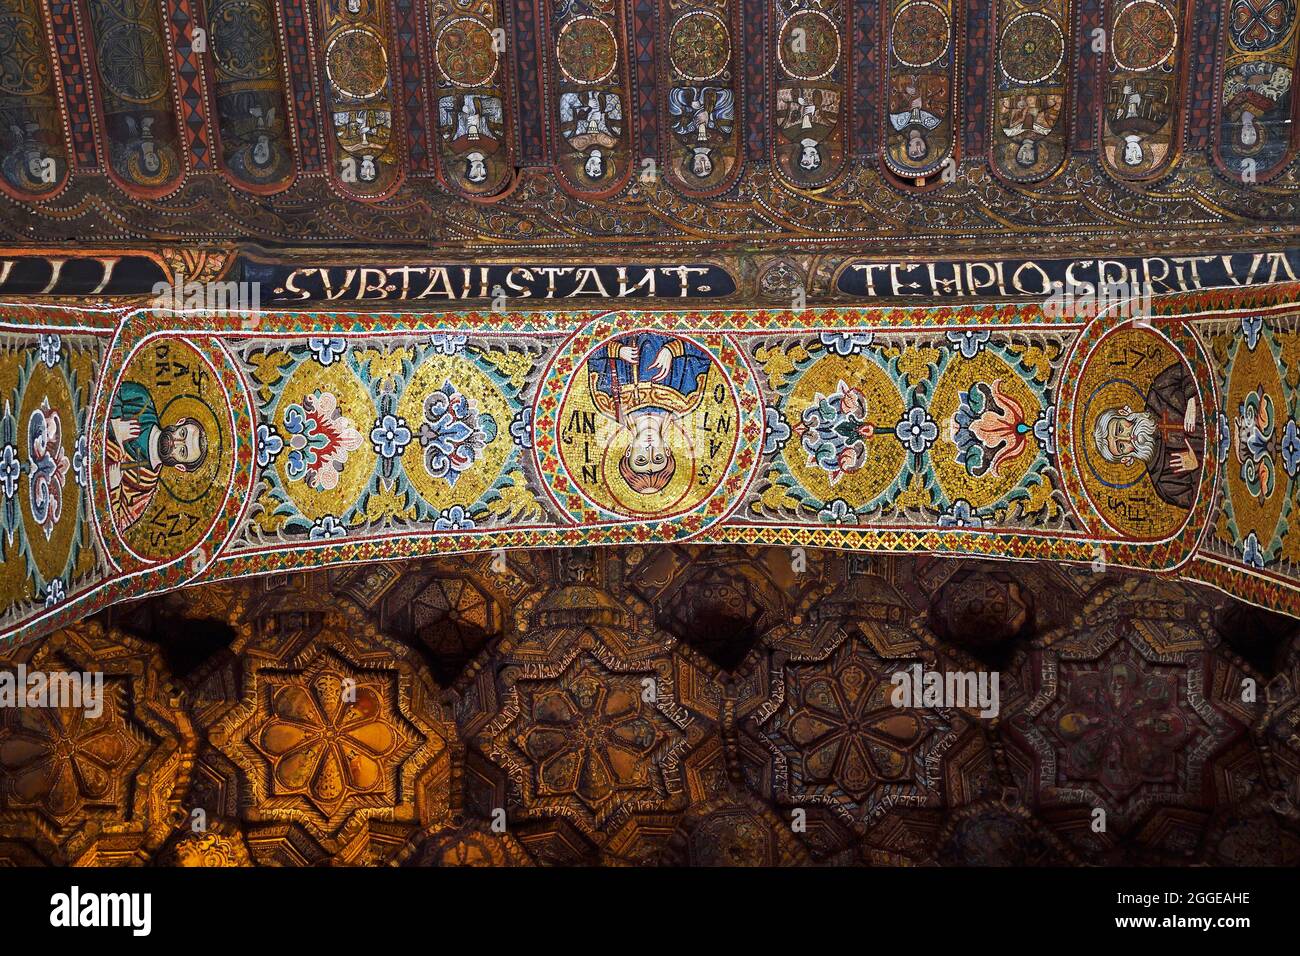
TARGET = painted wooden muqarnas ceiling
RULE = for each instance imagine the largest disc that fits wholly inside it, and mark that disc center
(531, 121)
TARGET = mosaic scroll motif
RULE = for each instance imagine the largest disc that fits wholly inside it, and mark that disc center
(590, 95)
(471, 67)
(47, 549)
(921, 87)
(811, 99)
(131, 56)
(221, 452)
(950, 430)
(355, 437)
(253, 120)
(1257, 360)
(455, 434)
(703, 108)
(364, 133)
(1030, 121)
(33, 154)
(1259, 46)
(1145, 63)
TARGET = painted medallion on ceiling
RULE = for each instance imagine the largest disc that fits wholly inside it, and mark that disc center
(364, 142)
(591, 95)
(33, 153)
(703, 105)
(811, 97)
(1144, 75)
(470, 73)
(1255, 117)
(252, 118)
(1030, 122)
(921, 86)
(131, 56)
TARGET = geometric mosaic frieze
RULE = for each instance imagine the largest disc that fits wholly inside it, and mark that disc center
(200, 449)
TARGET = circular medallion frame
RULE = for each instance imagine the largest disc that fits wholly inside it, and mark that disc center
(715, 438)
(471, 76)
(573, 45)
(713, 65)
(921, 50)
(810, 66)
(1144, 11)
(1025, 57)
(368, 82)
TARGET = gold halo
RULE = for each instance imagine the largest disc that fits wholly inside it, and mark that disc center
(190, 486)
(1115, 393)
(672, 497)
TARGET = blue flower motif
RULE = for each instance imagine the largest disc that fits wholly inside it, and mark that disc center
(453, 519)
(970, 341)
(1045, 429)
(81, 460)
(55, 592)
(960, 515)
(448, 343)
(454, 434)
(327, 350)
(1252, 326)
(269, 444)
(846, 343)
(917, 431)
(10, 470)
(1291, 448)
(1251, 552)
(1225, 438)
(521, 427)
(389, 436)
(776, 431)
(50, 348)
(838, 511)
(326, 528)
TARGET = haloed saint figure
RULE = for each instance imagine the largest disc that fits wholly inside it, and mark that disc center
(1166, 436)
(644, 382)
(140, 447)
(649, 425)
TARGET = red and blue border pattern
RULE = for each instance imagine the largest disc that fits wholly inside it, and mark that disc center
(1176, 315)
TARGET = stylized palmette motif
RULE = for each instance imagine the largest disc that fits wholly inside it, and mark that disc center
(1259, 43)
(1257, 442)
(45, 538)
(811, 101)
(471, 66)
(1030, 119)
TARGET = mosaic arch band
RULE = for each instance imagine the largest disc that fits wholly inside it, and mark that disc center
(139, 453)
